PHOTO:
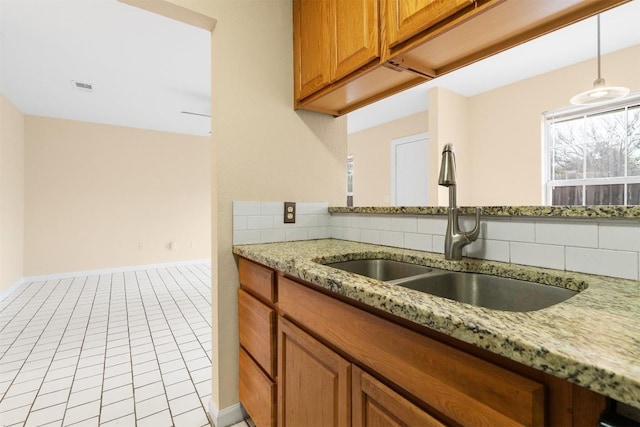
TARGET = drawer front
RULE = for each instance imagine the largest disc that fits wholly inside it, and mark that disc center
(257, 392)
(257, 331)
(257, 279)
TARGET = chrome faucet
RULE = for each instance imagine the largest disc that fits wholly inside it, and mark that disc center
(455, 239)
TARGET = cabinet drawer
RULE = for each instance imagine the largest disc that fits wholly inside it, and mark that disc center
(257, 392)
(257, 279)
(257, 331)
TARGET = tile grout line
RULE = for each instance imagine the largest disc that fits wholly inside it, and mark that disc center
(88, 322)
(58, 346)
(144, 309)
(174, 338)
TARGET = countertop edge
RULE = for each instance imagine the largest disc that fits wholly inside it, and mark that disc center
(575, 212)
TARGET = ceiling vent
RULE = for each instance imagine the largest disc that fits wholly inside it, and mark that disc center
(81, 86)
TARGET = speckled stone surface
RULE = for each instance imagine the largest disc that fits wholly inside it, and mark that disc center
(623, 212)
(592, 339)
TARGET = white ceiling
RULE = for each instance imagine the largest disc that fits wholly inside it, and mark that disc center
(146, 69)
(576, 43)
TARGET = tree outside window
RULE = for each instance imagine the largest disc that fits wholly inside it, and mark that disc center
(594, 155)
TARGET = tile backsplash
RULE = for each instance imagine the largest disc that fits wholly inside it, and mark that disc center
(263, 222)
(609, 247)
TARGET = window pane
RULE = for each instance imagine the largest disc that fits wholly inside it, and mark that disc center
(633, 194)
(566, 196)
(605, 144)
(634, 142)
(605, 194)
(567, 149)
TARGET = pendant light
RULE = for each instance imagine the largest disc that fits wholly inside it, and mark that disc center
(600, 93)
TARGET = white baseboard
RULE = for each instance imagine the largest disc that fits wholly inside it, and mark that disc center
(228, 416)
(55, 276)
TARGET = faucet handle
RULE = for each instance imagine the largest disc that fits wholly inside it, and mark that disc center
(473, 234)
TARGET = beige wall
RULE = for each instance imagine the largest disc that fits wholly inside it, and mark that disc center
(94, 192)
(506, 127)
(371, 152)
(11, 194)
(262, 148)
(448, 121)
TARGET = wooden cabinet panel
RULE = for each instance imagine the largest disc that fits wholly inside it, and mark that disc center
(376, 405)
(407, 18)
(331, 40)
(257, 279)
(257, 331)
(314, 383)
(257, 392)
(312, 44)
(426, 38)
(357, 35)
(462, 387)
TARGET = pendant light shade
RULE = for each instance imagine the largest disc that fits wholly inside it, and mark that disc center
(600, 92)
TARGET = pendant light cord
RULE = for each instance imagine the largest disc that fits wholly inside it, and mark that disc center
(599, 76)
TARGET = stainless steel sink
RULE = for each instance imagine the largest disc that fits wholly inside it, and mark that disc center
(493, 292)
(381, 269)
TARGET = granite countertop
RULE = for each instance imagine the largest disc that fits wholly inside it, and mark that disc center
(612, 212)
(592, 339)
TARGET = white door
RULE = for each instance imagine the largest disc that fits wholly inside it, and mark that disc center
(409, 162)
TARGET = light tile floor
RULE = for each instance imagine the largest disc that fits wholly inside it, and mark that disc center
(121, 349)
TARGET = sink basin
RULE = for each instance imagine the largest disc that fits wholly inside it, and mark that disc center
(381, 269)
(493, 292)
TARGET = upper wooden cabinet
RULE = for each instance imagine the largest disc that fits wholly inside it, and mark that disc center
(348, 54)
(407, 18)
(332, 39)
(312, 44)
(357, 37)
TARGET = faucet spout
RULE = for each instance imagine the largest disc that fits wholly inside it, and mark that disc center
(455, 238)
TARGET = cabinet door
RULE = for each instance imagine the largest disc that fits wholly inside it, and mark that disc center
(312, 41)
(406, 18)
(314, 383)
(376, 405)
(357, 38)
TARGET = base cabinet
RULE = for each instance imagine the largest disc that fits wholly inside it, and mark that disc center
(339, 364)
(257, 336)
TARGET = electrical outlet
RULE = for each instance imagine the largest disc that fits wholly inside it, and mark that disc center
(289, 212)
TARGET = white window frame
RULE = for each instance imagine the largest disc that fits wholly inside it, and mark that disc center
(550, 117)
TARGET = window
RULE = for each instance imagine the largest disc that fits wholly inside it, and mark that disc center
(593, 154)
